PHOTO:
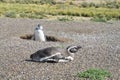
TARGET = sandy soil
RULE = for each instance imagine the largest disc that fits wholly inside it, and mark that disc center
(100, 49)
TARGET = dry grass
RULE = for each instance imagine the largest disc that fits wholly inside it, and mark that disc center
(15, 10)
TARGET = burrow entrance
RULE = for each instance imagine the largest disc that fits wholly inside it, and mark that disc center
(48, 38)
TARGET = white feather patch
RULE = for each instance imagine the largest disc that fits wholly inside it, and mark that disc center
(47, 57)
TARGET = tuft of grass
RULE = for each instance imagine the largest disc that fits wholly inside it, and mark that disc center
(94, 74)
(66, 18)
(103, 18)
(52, 2)
(11, 14)
(106, 4)
(100, 18)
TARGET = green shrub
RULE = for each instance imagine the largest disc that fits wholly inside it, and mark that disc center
(30, 1)
(113, 4)
(66, 18)
(23, 15)
(102, 18)
(11, 14)
(92, 4)
(94, 74)
(108, 4)
(32, 15)
(84, 4)
(86, 14)
(99, 18)
(47, 2)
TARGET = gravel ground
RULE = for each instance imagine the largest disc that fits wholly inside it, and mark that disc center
(100, 49)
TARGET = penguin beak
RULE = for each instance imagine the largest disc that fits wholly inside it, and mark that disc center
(79, 47)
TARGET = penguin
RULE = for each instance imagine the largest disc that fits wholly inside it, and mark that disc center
(55, 54)
(39, 34)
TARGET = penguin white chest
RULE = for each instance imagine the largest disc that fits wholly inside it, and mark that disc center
(39, 35)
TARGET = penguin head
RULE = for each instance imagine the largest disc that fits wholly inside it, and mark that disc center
(73, 49)
(39, 27)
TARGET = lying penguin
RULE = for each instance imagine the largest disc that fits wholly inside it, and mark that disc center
(55, 54)
(39, 34)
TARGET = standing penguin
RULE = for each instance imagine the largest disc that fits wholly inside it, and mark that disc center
(39, 34)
